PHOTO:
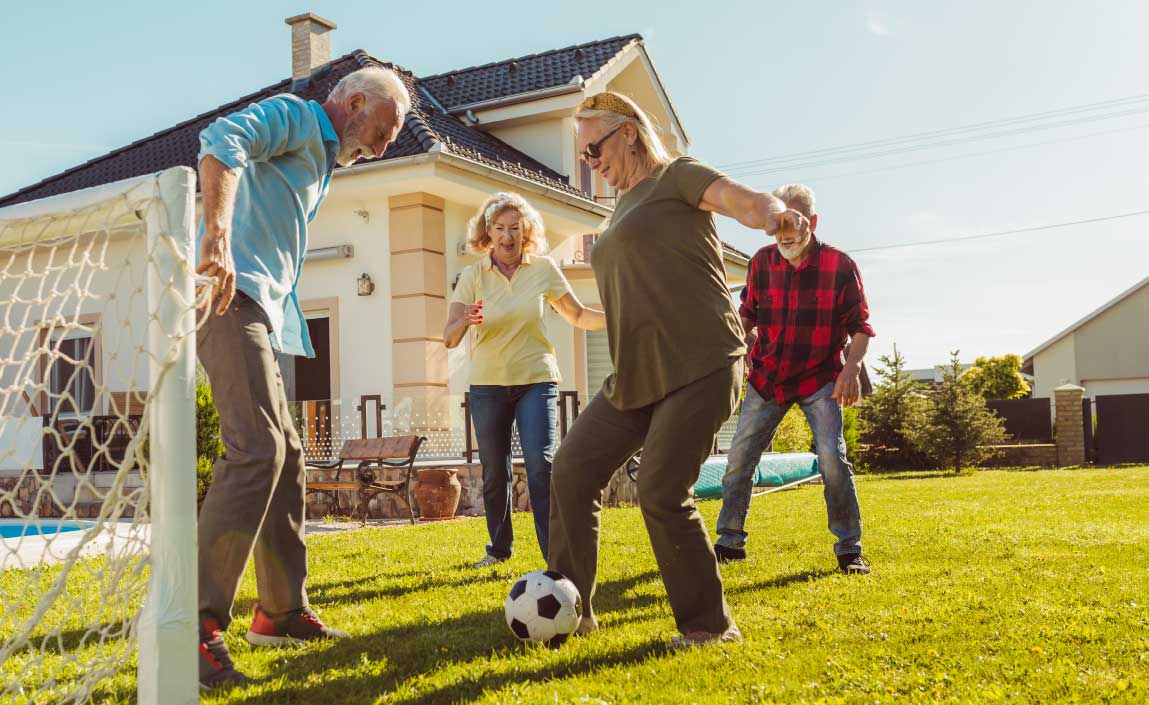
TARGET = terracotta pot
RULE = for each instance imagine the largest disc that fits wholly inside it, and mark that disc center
(437, 492)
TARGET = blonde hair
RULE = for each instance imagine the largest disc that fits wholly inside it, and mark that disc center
(534, 234)
(797, 196)
(614, 109)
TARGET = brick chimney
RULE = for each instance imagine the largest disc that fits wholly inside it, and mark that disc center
(310, 43)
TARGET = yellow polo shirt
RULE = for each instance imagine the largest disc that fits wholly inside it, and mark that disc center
(512, 345)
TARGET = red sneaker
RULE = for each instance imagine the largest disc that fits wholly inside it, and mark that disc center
(294, 627)
(215, 665)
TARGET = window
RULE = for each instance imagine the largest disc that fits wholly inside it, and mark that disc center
(71, 387)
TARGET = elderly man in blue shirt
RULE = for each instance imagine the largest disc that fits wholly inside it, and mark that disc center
(264, 171)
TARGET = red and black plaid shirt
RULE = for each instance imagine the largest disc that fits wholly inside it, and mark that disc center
(803, 317)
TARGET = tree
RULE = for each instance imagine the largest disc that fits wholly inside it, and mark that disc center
(794, 434)
(955, 427)
(882, 416)
(208, 445)
(997, 377)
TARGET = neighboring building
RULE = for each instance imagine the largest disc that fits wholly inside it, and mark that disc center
(931, 375)
(388, 243)
(1105, 352)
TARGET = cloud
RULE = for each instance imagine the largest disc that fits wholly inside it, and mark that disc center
(877, 24)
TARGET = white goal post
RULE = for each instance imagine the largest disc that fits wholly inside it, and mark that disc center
(97, 444)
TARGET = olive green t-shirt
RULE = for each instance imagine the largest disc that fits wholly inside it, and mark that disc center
(670, 319)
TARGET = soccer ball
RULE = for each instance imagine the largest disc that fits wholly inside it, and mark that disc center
(543, 607)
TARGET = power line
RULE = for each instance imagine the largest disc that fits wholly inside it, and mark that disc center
(847, 156)
(944, 137)
(969, 155)
(1002, 233)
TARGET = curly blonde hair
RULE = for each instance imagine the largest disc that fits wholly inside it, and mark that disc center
(534, 234)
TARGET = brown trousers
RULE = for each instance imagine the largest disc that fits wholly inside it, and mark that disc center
(256, 500)
(676, 435)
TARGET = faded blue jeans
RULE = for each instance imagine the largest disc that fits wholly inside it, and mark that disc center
(757, 423)
(534, 409)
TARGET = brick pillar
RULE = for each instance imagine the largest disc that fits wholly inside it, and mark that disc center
(419, 304)
(1070, 429)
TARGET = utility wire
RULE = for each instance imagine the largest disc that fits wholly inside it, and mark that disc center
(1001, 233)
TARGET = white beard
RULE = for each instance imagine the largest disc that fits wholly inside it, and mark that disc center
(793, 252)
(349, 153)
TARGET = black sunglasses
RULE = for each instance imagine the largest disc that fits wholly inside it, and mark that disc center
(594, 149)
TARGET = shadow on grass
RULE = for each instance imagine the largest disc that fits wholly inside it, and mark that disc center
(106, 637)
(367, 688)
(416, 650)
(367, 588)
(780, 581)
(909, 475)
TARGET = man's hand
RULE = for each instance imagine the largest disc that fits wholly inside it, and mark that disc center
(779, 217)
(215, 260)
(748, 360)
(848, 388)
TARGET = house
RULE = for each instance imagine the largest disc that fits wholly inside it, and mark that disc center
(1104, 352)
(388, 243)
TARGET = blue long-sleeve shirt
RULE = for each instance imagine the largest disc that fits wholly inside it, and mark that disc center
(283, 150)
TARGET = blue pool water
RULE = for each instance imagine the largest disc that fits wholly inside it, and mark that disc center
(15, 528)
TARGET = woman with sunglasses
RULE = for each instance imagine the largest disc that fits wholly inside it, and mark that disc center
(514, 373)
(676, 344)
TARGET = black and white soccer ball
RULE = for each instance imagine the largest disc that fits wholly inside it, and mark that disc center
(543, 607)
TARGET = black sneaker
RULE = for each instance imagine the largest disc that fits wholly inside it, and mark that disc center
(726, 554)
(853, 564)
(215, 665)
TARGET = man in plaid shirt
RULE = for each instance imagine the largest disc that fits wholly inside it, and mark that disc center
(804, 298)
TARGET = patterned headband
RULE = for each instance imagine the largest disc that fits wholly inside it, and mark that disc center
(502, 200)
(611, 102)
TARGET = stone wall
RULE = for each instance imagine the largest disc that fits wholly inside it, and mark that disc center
(621, 491)
(29, 495)
(1042, 454)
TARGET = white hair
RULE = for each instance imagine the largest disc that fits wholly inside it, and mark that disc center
(374, 82)
(647, 136)
(797, 196)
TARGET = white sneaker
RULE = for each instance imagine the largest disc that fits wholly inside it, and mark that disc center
(487, 560)
(587, 626)
(682, 642)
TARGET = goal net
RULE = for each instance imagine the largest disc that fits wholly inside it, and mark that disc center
(97, 445)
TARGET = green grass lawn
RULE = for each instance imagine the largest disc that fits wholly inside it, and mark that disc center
(1029, 587)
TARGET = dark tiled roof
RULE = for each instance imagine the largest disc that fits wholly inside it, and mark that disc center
(426, 125)
(524, 74)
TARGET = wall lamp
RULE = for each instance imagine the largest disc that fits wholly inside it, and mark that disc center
(366, 286)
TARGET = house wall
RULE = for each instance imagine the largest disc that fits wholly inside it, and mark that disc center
(108, 296)
(1055, 366)
(543, 139)
(1113, 345)
(1103, 387)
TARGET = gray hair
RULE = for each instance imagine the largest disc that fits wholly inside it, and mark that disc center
(374, 82)
(797, 196)
(647, 137)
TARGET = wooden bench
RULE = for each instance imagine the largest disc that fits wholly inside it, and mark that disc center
(372, 455)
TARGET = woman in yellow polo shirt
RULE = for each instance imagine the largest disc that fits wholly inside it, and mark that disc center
(514, 373)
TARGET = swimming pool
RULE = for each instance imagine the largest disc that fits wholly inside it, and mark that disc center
(15, 528)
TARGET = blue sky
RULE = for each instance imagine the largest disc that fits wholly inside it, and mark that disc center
(752, 80)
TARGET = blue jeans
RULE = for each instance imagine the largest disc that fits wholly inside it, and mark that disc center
(757, 423)
(534, 409)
